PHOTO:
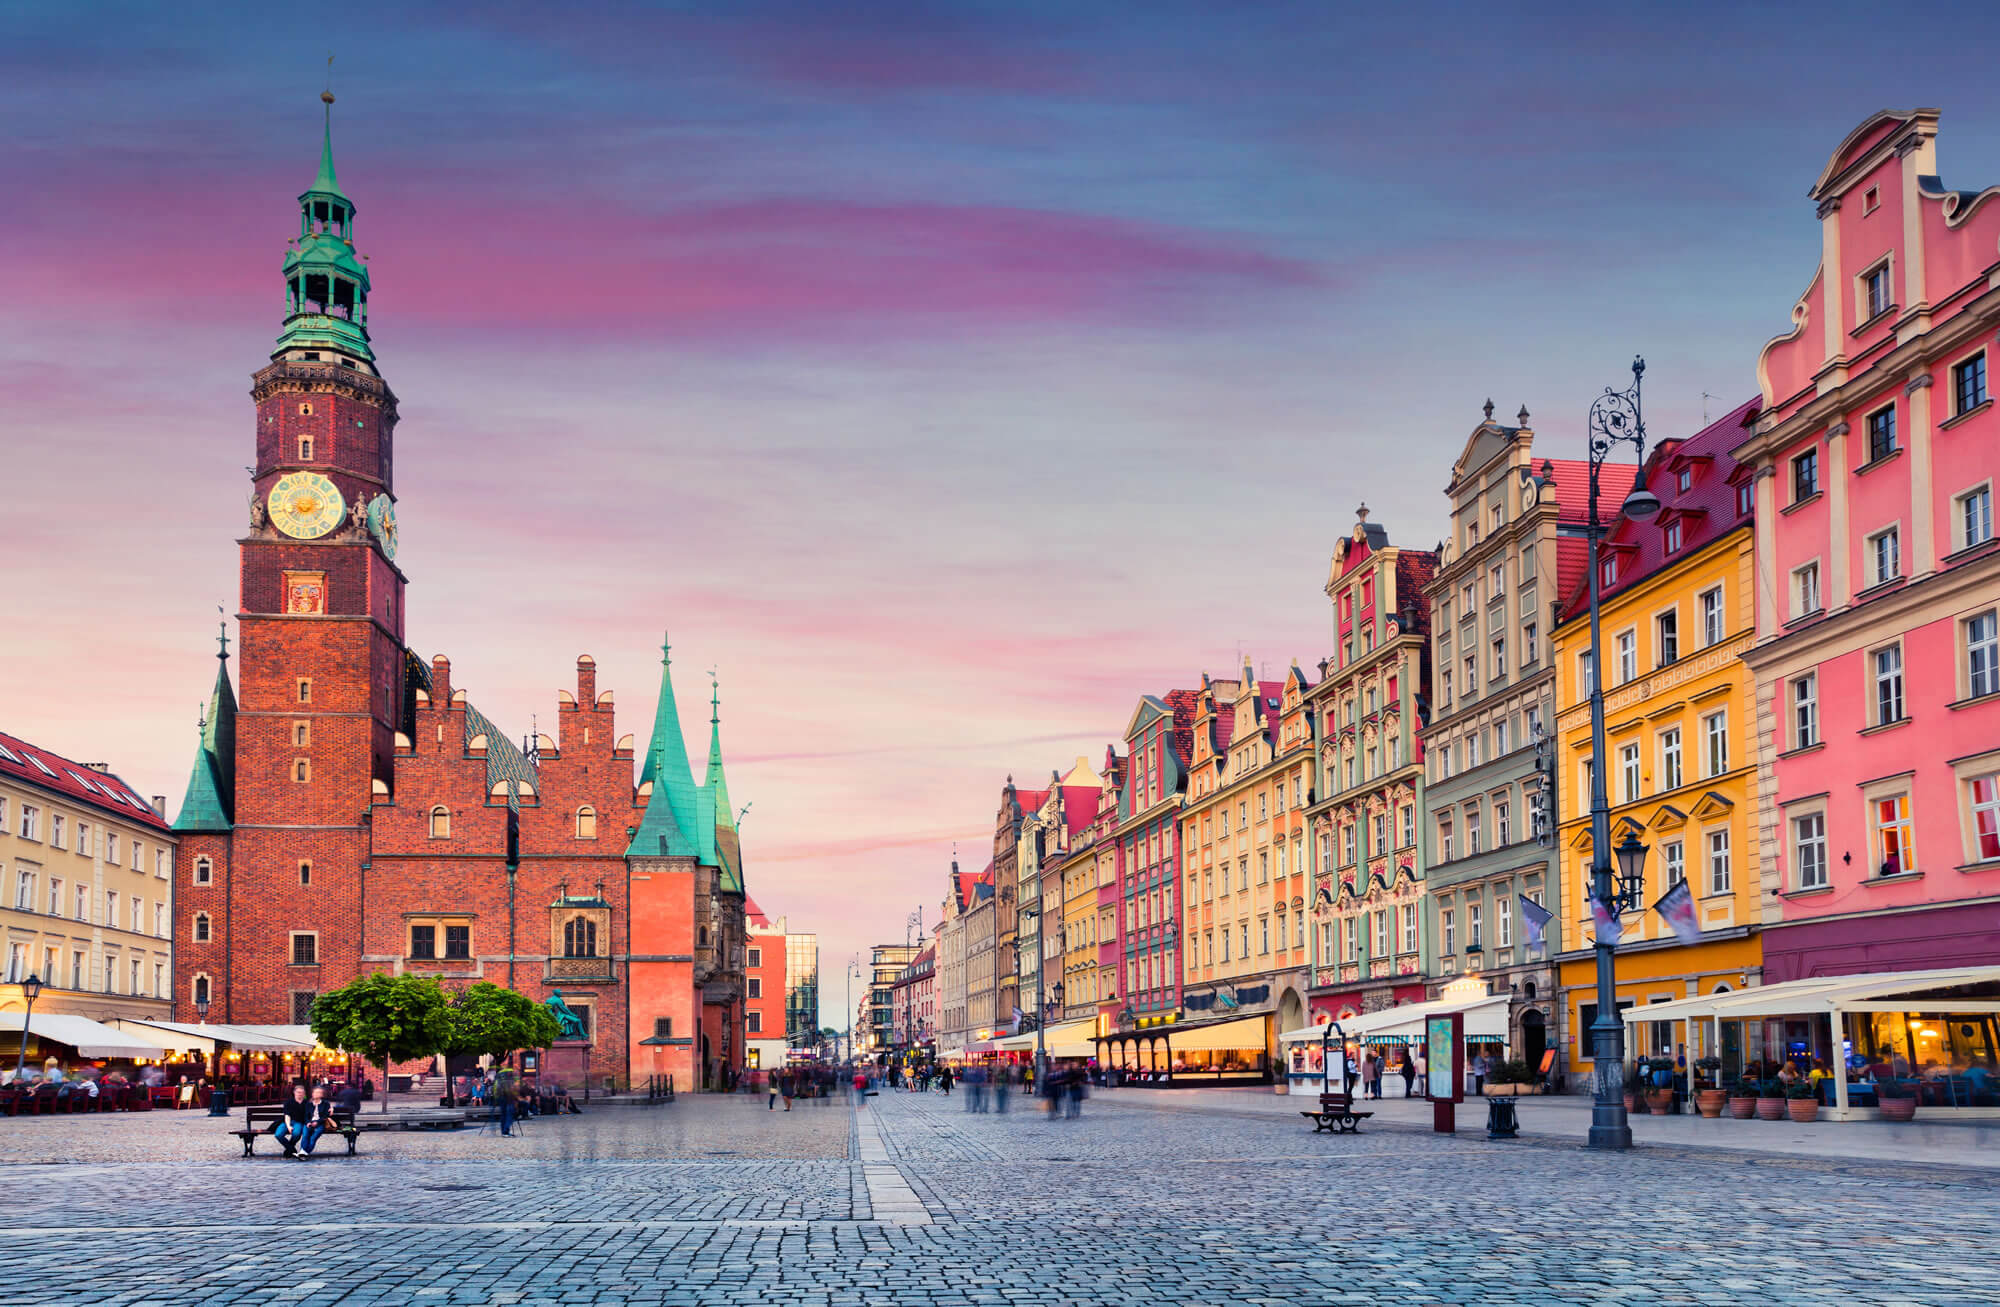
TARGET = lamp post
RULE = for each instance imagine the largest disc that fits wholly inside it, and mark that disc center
(31, 989)
(1615, 419)
(853, 970)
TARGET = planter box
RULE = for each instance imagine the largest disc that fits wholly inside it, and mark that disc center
(1512, 1091)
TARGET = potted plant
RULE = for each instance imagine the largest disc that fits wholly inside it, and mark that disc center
(1635, 1090)
(1802, 1100)
(1709, 1095)
(1896, 1100)
(1741, 1098)
(1771, 1100)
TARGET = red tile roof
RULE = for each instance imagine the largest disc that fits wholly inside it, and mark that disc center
(1572, 477)
(1706, 511)
(754, 915)
(76, 782)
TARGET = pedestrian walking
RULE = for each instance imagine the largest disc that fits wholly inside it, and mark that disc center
(1409, 1073)
(1480, 1066)
(1073, 1105)
(1423, 1076)
(1002, 1084)
(944, 1079)
(503, 1088)
(770, 1091)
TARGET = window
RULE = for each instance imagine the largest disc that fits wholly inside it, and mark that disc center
(1381, 933)
(1586, 674)
(82, 831)
(1628, 768)
(1715, 742)
(1673, 862)
(160, 920)
(301, 770)
(1449, 925)
(1628, 655)
(305, 688)
(1884, 556)
(56, 830)
(1472, 926)
(1670, 760)
(1985, 793)
(305, 873)
(200, 985)
(1805, 476)
(1245, 941)
(138, 976)
(458, 942)
(302, 1006)
(1528, 650)
(305, 949)
(1263, 934)
(1444, 841)
(1718, 862)
(1881, 433)
(1499, 657)
(1409, 916)
(1667, 637)
(1746, 499)
(1610, 570)
(1968, 384)
(1674, 534)
(1975, 517)
(1409, 825)
(111, 910)
(753, 1023)
(1684, 480)
(31, 822)
(201, 927)
(1809, 851)
(423, 942)
(1805, 590)
(1982, 653)
(755, 958)
(83, 903)
(1712, 624)
(1805, 711)
(1896, 850)
(440, 822)
(586, 823)
(301, 735)
(24, 891)
(1888, 664)
(1471, 830)
(1503, 921)
(1875, 289)
(55, 896)
(204, 870)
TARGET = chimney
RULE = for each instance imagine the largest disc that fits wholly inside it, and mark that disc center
(441, 681)
(160, 805)
(104, 767)
(586, 680)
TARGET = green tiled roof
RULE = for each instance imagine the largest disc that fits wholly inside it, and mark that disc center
(667, 767)
(504, 762)
(211, 793)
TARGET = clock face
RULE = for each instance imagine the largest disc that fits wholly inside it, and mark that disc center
(305, 505)
(382, 521)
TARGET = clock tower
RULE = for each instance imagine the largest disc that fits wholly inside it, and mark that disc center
(321, 610)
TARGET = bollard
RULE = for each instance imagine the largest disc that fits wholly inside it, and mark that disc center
(1501, 1122)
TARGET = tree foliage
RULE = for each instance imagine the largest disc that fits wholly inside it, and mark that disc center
(384, 1018)
(495, 1021)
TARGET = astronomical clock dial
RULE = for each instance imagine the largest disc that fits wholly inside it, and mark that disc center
(382, 522)
(305, 505)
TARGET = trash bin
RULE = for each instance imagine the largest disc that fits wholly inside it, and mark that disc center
(1501, 1123)
(218, 1102)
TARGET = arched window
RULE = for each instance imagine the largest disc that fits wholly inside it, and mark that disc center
(201, 927)
(204, 870)
(579, 938)
(301, 770)
(440, 822)
(586, 823)
(201, 989)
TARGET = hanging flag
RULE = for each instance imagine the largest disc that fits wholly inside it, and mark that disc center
(1014, 1026)
(1609, 928)
(1536, 919)
(1676, 908)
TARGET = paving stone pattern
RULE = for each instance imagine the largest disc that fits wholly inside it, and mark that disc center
(717, 1201)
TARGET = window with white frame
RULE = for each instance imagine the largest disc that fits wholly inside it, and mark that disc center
(1409, 915)
(1875, 291)
(1885, 556)
(1809, 851)
(1409, 826)
(1381, 933)
(1628, 772)
(55, 896)
(1503, 921)
(1805, 710)
(1973, 521)
(1670, 759)
(1673, 862)
(1805, 589)
(24, 891)
(1673, 535)
(1713, 627)
(1503, 826)
(1529, 651)
(1983, 792)
(1715, 742)
(1895, 844)
(1887, 665)
(1472, 926)
(1667, 637)
(1982, 653)
(1628, 656)
(1718, 862)
(1445, 853)
(1585, 674)
(1471, 829)
(1448, 923)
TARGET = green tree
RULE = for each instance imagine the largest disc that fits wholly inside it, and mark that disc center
(384, 1018)
(497, 1022)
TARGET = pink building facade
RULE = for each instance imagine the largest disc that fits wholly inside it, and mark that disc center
(1159, 737)
(1878, 641)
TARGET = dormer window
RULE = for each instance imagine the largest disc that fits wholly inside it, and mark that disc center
(1684, 480)
(1674, 534)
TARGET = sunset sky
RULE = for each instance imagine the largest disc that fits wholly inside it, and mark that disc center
(947, 376)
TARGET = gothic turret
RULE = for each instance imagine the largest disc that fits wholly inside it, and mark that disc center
(727, 842)
(670, 822)
(210, 800)
(326, 283)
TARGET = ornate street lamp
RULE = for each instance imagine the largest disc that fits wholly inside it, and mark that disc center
(31, 989)
(1615, 419)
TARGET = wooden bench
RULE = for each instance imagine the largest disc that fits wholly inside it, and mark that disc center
(262, 1120)
(1336, 1115)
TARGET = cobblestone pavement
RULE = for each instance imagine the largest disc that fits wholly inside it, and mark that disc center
(914, 1201)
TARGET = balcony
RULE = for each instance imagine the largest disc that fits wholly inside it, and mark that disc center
(578, 971)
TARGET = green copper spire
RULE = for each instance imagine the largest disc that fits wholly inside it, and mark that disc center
(725, 845)
(326, 283)
(725, 816)
(673, 807)
(211, 790)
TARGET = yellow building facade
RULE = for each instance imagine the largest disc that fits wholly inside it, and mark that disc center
(1678, 612)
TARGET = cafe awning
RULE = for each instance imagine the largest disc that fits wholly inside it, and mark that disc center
(213, 1037)
(1485, 1022)
(278, 1039)
(1015, 1043)
(177, 1036)
(1239, 1034)
(89, 1038)
(1948, 989)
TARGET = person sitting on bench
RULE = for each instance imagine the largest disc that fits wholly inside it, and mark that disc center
(303, 1123)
